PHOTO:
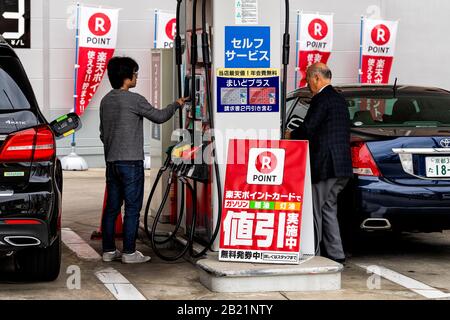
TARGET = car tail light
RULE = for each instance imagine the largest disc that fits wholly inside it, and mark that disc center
(21, 222)
(35, 144)
(363, 163)
(45, 148)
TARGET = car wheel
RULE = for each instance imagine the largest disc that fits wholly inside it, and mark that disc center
(40, 264)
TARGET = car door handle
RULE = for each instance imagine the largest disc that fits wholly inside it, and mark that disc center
(6, 193)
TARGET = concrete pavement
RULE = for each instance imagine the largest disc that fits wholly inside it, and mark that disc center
(421, 257)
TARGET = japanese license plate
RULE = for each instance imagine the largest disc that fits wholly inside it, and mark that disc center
(438, 167)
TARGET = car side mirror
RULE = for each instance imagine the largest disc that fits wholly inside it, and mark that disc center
(66, 125)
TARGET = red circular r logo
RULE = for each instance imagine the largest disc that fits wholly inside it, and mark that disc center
(266, 162)
(318, 29)
(99, 24)
(171, 29)
(380, 35)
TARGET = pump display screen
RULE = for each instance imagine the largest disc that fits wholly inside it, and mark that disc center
(15, 22)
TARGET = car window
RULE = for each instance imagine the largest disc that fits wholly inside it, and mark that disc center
(299, 109)
(373, 111)
(402, 111)
(11, 95)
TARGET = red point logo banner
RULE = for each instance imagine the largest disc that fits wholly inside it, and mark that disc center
(316, 41)
(266, 162)
(265, 205)
(318, 29)
(165, 31)
(379, 38)
(171, 29)
(99, 24)
(380, 35)
(266, 166)
(98, 27)
(97, 42)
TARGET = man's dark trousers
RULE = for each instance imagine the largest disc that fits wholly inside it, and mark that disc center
(124, 182)
(325, 194)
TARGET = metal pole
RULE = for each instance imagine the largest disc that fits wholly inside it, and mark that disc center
(360, 49)
(76, 67)
(286, 47)
(156, 29)
(296, 50)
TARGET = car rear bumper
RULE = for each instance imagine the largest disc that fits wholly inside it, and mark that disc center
(16, 236)
(405, 207)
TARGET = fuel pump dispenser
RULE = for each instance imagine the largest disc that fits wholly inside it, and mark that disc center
(193, 161)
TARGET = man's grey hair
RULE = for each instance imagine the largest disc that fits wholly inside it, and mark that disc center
(323, 71)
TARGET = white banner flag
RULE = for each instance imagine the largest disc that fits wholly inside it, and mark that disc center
(97, 42)
(316, 41)
(165, 30)
(378, 50)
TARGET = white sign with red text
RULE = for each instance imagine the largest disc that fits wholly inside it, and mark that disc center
(97, 42)
(267, 208)
(165, 30)
(316, 41)
(378, 50)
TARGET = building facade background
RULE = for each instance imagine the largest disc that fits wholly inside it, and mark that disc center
(421, 56)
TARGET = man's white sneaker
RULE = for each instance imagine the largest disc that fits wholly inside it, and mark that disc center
(111, 256)
(136, 257)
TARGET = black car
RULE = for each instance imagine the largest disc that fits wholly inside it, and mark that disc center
(31, 178)
(400, 141)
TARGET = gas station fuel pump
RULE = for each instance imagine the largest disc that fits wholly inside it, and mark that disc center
(192, 162)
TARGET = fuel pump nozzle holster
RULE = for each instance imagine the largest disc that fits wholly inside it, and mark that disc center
(189, 160)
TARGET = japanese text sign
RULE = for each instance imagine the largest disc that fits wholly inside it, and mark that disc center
(263, 201)
(378, 50)
(248, 90)
(316, 41)
(97, 42)
(247, 47)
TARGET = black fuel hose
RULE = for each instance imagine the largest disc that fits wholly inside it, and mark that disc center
(286, 49)
(150, 235)
(207, 68)
(158, 216)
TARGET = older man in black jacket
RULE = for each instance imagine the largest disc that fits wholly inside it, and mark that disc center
(327, 127)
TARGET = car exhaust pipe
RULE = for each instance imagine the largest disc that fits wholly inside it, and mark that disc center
(22, 241)
(376, 224)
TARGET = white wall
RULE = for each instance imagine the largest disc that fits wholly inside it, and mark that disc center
(50, 61)
(421, 51)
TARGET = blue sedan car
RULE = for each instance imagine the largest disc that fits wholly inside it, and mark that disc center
(400, 145)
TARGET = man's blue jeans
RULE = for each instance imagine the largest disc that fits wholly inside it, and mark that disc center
(124, 182)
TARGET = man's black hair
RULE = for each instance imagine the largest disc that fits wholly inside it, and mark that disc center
(119, 69)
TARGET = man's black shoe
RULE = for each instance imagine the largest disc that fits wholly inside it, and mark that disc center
(341, 261)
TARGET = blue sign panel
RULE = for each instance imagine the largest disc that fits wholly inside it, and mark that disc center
(247, 47)
(247, 90)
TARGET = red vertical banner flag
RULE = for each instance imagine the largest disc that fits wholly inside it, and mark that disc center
(263, 201)
(378, 49)
(97, 42)
(316, 41)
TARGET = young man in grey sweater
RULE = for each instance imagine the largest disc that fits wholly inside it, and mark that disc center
(121, 131)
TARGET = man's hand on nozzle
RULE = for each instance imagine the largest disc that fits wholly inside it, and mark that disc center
(182, 101)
